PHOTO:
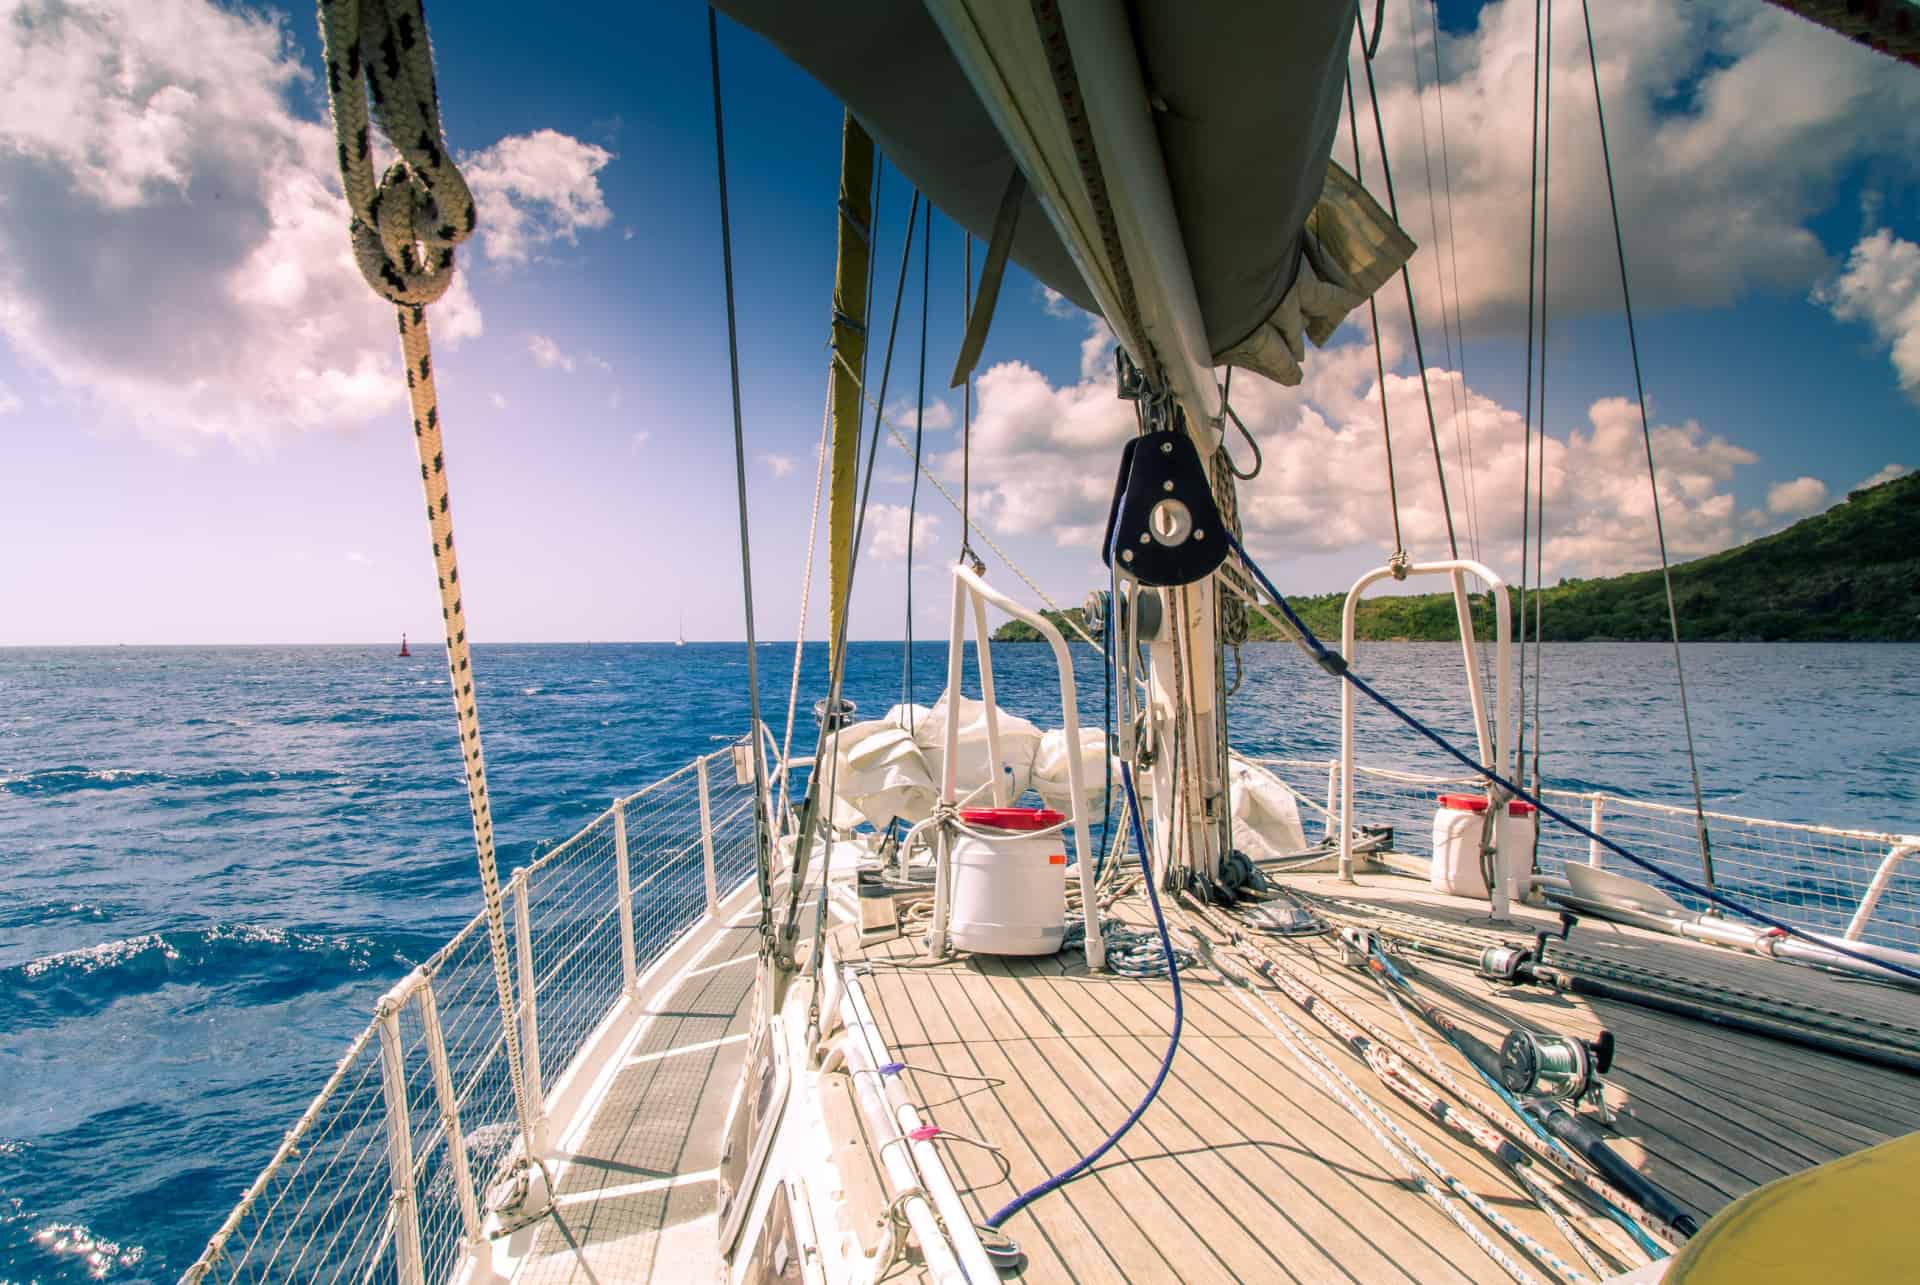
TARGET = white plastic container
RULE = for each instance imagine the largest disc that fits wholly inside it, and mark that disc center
(1009, 885)
(1458, 824)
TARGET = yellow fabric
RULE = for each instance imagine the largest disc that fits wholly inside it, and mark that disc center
(850, 344)
(1853, 1220)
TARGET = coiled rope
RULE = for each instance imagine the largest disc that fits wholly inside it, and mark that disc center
(404, 229)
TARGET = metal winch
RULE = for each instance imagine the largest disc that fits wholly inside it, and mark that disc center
(1543, 1064)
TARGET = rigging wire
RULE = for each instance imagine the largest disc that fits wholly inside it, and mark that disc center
(1413, 315)
(1371, 47)
(1526, 459)
(762, 833)
(1646, 437)
(1447, 330)
(1540, 460)
(1453, 262)
(1379, 361)
(919, 425)
(966, 415)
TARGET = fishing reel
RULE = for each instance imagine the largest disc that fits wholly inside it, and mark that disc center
(1541, 1064)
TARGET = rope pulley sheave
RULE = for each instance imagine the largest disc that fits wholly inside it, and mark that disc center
(404, 229)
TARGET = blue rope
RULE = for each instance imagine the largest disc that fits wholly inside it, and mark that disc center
(1085, 1162)
(1334, 664)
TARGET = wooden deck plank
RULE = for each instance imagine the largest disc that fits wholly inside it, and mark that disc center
(1246, 1169)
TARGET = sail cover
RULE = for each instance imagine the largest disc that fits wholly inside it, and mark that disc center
(1246, 100)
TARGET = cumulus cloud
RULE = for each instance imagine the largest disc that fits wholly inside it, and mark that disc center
(887, 531)
(173, 242)
(936, 415)
(547, 354)
(531, 189)
(1044, 460)
(1729, 125)
(1800, 496)
(1881, 286)
(1884, 474)
(779, 465)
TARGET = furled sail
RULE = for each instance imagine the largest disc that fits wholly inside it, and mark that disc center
(1243, 103)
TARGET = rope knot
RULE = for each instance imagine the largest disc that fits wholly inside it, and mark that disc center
(405, 226)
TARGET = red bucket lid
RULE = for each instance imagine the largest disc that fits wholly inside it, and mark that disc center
(1464, 802)
(1012, 818)
(1519, 808)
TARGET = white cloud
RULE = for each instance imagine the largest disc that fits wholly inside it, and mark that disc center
(1800, 496)
(547, 354)
(173, 244)
(1730, 124)
(887, 531)
(9, 402)
(530, 189)
(498, 399)
(1044, 461)
(1881, 286)
(1884, 474)
(937, 415)
(1057, 304)
(781, 465)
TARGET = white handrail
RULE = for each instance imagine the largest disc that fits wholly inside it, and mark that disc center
(529, 1013)
(405, 1211)
(1493, 741)
(968, 586)
(1870, 900)
(449, 1113)
(623, 889)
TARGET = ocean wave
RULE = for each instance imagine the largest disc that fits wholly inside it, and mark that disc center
(73, 779)
(250, 963)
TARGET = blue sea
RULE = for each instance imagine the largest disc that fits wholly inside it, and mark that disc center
(213, 860)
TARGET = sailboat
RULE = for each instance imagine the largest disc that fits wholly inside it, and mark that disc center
(906, 1018)
(680, 630)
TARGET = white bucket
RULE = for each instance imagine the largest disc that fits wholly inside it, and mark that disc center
(1009, 886)
(1457, 827)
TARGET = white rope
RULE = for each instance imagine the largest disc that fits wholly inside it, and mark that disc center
(1297, 1042)
(404, 229)
(947, 495)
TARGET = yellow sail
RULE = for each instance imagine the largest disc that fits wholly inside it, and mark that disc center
(849, 355)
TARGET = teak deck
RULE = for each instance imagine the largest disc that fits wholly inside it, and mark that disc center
(1244, 1169)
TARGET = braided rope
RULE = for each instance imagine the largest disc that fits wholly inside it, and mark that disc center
(404, 229)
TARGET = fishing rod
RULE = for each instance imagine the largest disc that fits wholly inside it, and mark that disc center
(1545, 1073)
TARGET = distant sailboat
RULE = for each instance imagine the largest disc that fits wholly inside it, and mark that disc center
(680, 630)
(404, 653)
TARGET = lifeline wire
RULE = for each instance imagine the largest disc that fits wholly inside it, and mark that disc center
(1086, 1162)
(1646, 436)
(1335, 665)
(762, 833)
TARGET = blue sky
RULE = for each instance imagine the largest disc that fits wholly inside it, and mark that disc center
(158, 491)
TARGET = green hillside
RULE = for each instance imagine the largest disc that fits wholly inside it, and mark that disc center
(1851, 574)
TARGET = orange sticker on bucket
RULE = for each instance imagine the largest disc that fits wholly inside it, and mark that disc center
(1057, 859)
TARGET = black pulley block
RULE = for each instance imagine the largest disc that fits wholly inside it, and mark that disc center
(1163, 527)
